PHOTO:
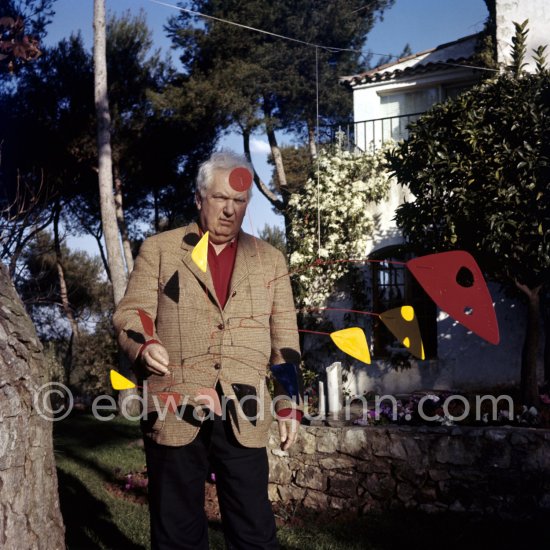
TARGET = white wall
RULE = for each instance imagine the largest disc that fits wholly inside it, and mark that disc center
(368, 102)
(510, 11)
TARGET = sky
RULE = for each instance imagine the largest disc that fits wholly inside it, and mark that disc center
(422, 24)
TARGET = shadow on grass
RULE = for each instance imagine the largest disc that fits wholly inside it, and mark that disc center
(412, 529)
(88, 521)
(83, 426)
(106, 473)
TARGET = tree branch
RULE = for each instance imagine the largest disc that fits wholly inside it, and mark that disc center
(264, 189)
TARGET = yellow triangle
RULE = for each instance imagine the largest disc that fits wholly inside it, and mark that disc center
(200, 253)
(353, 342)
(120, 382)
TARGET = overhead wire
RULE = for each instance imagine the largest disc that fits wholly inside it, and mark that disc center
(297, 40)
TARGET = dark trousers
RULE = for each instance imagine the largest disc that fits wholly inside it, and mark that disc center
(176, 492)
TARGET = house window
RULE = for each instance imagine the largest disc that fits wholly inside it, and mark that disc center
(393, 286)
(404, 103)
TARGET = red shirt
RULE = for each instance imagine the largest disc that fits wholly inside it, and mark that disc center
(221, 268)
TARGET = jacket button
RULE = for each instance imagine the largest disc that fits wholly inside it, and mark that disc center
(217, 366)
(221, 326)
(234, 294)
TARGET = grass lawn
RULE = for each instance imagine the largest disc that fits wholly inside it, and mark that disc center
(93, 458)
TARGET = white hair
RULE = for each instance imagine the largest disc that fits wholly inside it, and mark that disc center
(220, 160)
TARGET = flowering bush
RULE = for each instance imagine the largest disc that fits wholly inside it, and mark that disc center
(339, 193)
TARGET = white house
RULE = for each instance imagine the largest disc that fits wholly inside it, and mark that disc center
(385, 100)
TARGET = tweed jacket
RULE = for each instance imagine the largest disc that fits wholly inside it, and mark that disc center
(207, 344)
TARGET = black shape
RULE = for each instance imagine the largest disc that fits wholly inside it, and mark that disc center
(185, 412)
(290, 355)
(191, 239)
(135, 336)
(172, 287)
(247, 397)
(148, 421)
(465, 277)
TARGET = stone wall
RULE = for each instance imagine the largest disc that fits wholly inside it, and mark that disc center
(488, 470)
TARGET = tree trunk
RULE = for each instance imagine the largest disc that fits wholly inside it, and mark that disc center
(264, 189)
(29, 505)
(105, 174)
(278, 160)
(311, 141)
(66, 306)
(122, 224)
(528, 386)
(105, 166)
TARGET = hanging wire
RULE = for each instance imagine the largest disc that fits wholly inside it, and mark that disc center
(317, 153)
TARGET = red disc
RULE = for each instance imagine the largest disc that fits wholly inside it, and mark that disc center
(240, 179)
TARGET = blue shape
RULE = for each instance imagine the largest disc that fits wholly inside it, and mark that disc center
(286, 374)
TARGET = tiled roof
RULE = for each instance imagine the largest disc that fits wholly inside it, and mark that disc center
(458, 52)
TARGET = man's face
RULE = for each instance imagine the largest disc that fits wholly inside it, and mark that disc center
(222, 210)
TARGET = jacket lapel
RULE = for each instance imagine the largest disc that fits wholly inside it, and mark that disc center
(190, 238)
(245, 251)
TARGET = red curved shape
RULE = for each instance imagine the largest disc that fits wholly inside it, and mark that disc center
(472, 305)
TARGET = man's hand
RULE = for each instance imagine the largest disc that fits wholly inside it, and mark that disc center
(155, 358)
(288, 430)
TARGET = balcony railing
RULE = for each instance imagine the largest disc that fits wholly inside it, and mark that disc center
(370, 135)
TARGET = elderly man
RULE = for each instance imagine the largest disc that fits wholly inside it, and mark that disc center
(212, 338)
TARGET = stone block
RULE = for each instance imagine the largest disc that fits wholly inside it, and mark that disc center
(291, 492)
(273, 492)
(354, 442)
(316, 500)
(279, 471)
(341, 462)
(312, 478)
(370, 504)
(496, 435)
(342, 485)
(327, 441)
(337, 503)
(380, 486)
(374, 464)
(405, 448)
(438, 475)
(453, 451)
(405, 471)
(305, 443)
(405, 492)
(518, 439)
(428, 493)
(538, 459)
(380, 443)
